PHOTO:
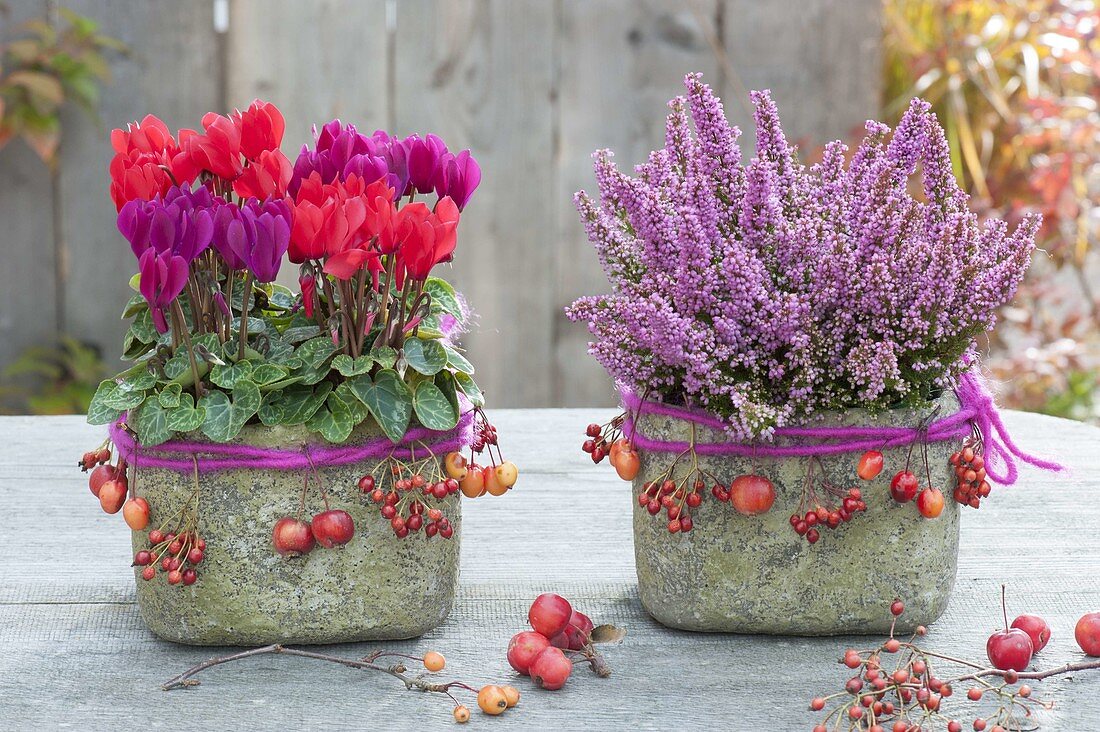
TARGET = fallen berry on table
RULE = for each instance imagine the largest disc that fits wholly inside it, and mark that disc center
(523, 648)
(1036, 629)
(1087, 633)
(551, 669)
(434, 661)
(462, 714)
(491, 699)
(549, 614)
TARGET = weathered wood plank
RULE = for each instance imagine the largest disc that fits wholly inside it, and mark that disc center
(28, 311)
(480, 73)
(621, 61)
(171, 71)
(316, 61)
(73, 649)
(820, 58)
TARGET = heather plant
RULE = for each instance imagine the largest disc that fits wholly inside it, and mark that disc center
(767, 292)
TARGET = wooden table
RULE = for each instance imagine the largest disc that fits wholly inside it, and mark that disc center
(75, 654)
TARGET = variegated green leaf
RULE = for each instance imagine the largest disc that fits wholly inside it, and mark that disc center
(428, 357)
(432, 408)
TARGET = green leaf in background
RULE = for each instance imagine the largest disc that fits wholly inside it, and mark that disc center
(225, 417)
(348, 366)
(457, 361)
(169, 396)
(186, 417)
(428, 357)
(98, 411)
(151, 423)
(470, 389)
(301, 333)
(433, 409)
(388, 400)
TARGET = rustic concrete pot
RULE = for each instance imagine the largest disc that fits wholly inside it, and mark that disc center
(753, 574)
(377, 587)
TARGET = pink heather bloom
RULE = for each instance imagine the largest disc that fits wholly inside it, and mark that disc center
(767, 292)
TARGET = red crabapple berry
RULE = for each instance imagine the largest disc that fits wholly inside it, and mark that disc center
(551, 669)
(1087, 633)
(290, 537)
(870, 465)
(903, 488)
(1036, 629)
(549, 614)
(523, 648)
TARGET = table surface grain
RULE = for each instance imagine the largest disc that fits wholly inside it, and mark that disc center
(75, 654)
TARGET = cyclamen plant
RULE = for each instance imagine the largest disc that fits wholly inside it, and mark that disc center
(768, 292)
(216, 343)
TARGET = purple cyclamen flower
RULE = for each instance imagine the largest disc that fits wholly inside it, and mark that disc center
(425, 161)
(258, 234)
(182, 222)
(458, 176)
(163, 277)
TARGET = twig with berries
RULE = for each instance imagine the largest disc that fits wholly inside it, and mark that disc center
(838, 507)
(175, 547)
(896, 687)
(474, 480)
(409, 494)
(492, 699)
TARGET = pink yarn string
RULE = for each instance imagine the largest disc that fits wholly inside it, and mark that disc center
(418, 443)
(976, 406)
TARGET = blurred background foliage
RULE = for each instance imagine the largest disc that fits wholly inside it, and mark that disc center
(1014, 82)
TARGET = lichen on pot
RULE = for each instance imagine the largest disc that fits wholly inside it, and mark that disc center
(753, 574)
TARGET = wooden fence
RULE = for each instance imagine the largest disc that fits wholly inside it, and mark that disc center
(531, 86)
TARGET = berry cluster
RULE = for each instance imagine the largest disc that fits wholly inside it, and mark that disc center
(406, 497)
(607, 441)
(829, 509)
(896, 689)
(558, 633)
(176, 555)
(675, 500)
(969, 465)
(110, 484)
(474, 480)
(806, 524)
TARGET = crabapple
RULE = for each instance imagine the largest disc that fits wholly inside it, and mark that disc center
(576, 633)
(930, 502)
(473, 483)
(101, 475)
(1009, 649)
(752, 495)
(549, 614)
(1036, 629)
(507, 474)
(136, 513)
(870, 465)
(551, 668)
(112, 495)
(491, 478)
(1087, 633)
(491, 699)
(292, 537)
(523, 648)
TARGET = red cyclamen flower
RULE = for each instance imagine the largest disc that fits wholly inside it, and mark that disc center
(261, 128)
(217, 150)
(142, 152)
(264, 177)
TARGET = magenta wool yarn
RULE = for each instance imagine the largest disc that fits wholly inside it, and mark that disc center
(976, 407)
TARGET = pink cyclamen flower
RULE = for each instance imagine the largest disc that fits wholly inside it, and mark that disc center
(458, 176)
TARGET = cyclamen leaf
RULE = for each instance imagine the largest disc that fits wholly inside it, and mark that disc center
(428, 357)
(315, 352)
(98, 411)
(470, 389)
(445, 380)
(151, 423)
(224, 416)
(459, 362)
(433, 409)
(385, 356)
(186, 417)
(338, 417)
(228, 376)
(293, 406)
(444, 297)
(169, 396)
(137, 378)
(348, 366)
(268, 373)
(388, 400)
(301, 333)
(134, 306)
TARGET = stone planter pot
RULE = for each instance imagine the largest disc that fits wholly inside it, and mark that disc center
(753, 574)
(377, 587)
